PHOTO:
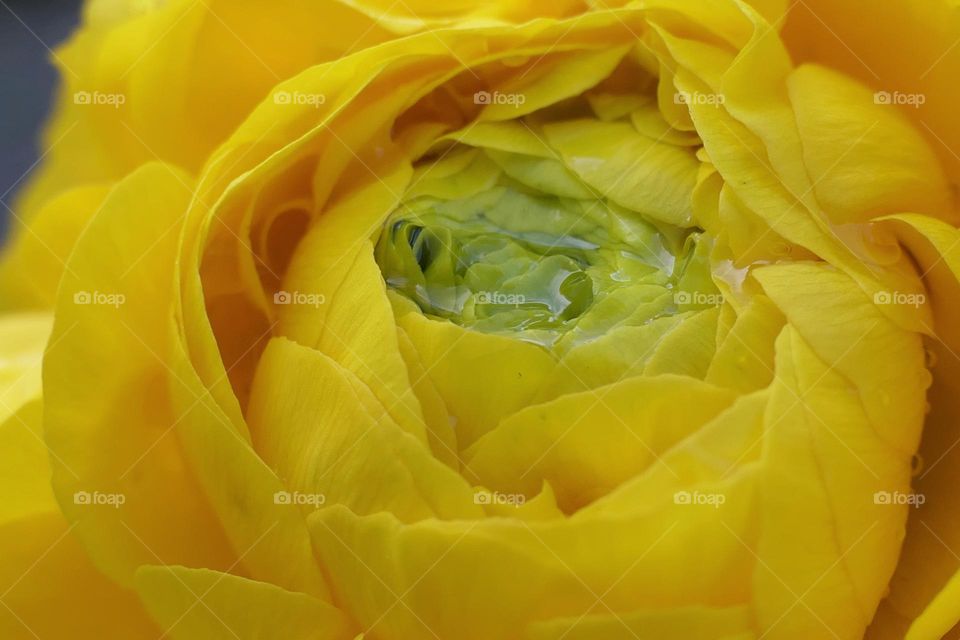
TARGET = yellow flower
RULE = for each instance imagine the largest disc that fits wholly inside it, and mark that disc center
(169, 81)
(633, 323)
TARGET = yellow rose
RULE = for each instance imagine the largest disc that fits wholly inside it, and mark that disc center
(640, 323)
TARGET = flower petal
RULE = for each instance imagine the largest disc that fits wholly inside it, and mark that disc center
(35, 256)
(865, 159)
(923, 586)
(52, 590)
(325, 433)
(844, 419)
(505, 374)
(102, 372)
(199, 603)
(688, 623)
(585, 444)
(643, 175)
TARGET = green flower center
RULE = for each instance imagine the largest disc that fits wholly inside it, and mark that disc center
(508, 259)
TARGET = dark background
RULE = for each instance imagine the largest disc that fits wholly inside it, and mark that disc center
(27, 83)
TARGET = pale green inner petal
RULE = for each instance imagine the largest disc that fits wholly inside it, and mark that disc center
(515, 244)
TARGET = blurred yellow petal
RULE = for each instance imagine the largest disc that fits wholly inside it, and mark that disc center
(542, 507)
(419, 13)
(198, 603)
(23, 337)
(52, 590)
(48, 586)
(906, 47)
(25, 475)
(102, 371)
(689, 623)
(117, 355)
(36, 254)
(941, 616)
(167, 61)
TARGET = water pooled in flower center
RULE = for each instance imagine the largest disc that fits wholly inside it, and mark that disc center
(536, 266)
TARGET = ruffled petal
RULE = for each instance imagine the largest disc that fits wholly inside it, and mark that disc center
(105, 371)
(326, 435)
(585, 444)
(198, 603)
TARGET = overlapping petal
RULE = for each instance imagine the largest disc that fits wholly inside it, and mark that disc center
(305, 449)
